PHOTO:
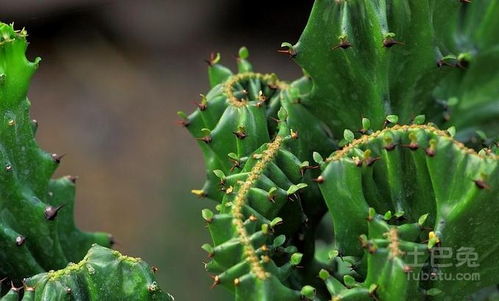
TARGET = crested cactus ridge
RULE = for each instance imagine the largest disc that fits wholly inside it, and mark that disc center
(375, 176)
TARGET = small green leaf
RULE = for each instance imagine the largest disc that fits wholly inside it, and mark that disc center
(318, 158)
(276, 221)
(333, 254)
(465, 56)
(399, 214)
(182, 115)
(279, 240)
(296, 258)
(207, 215)
(206, 131)
(243, 53)
(387, 216)
(349, 281)
(308, 292)
(371, 213)
(366, 124)
(217, 58)
(220, 174)
(294, 188)
(265, 228)
(290, 249)
(272, 191)
(208, 248)
(304, 164)
(433, 292)
(392, 118)
(324, 274)
(452, 101)
(233, 156)
(348, 135)
(481, 134)
(282, 114)
(420, 119)
(449, 57)
(422, 219)
(452, 131)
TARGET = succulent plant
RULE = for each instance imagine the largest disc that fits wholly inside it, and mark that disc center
(341, 185)
(37, 229)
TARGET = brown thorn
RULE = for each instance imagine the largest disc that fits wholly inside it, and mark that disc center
(210, 61)
(72, 178)
(344, 44)
(184, 123)
(319, 180)
(371, 161)
(51, 212)
(57, 158)
(389, 42)
(216, 280)
(289, 52)
(390, 147)
(240, 134)
(112, 240)
(481, 184)
(154, 269)
(202, 106)
(411, 146)
(205, 139)
(430, 152)
(15, 289)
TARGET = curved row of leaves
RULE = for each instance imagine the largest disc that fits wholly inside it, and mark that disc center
(37, 229)
(400, 198)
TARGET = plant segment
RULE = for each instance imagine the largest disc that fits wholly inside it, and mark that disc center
(397, 195)
(37, 229)
(375, 58)
(103, 274)
(414, 175)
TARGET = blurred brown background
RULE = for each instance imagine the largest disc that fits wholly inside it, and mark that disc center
(112, 77)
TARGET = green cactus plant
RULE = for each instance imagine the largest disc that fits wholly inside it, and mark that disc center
(37, 230)
(357, 140)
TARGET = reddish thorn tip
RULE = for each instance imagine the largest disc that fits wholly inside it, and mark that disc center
(481, 184)
(51, 212)
(57, 158)
(319, 180)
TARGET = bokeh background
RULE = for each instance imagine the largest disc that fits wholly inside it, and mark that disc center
(113, 75)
